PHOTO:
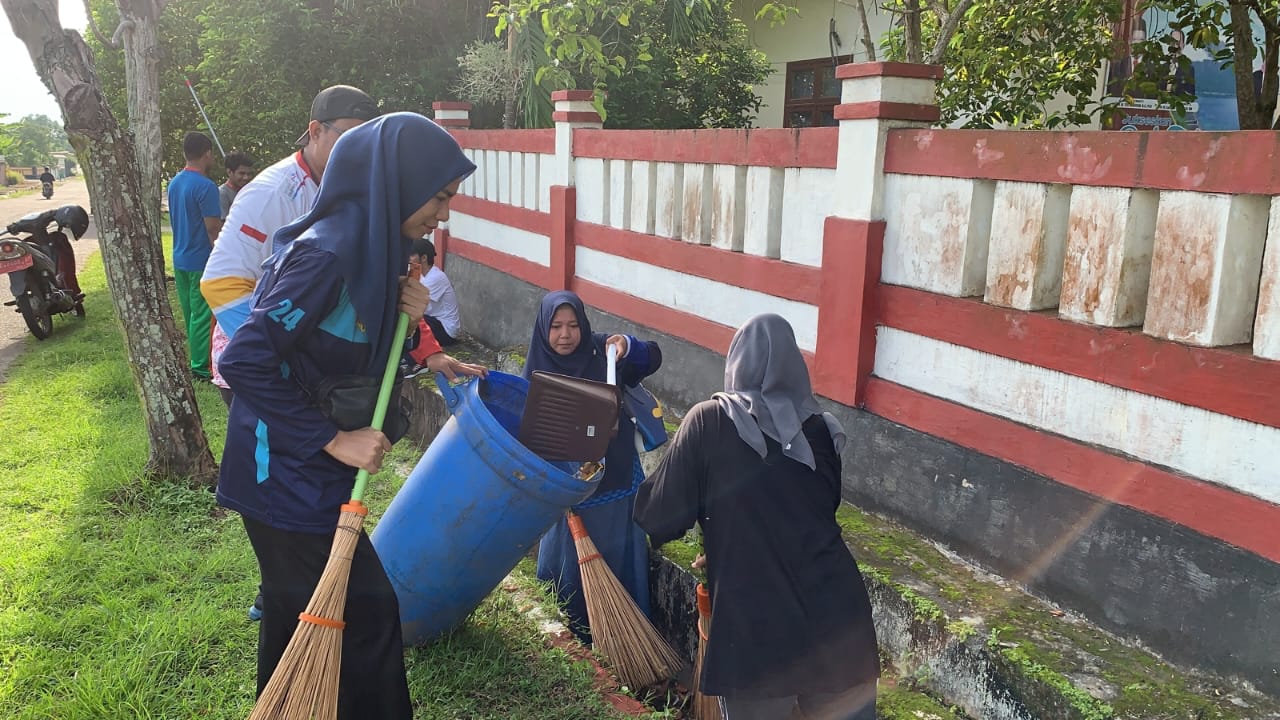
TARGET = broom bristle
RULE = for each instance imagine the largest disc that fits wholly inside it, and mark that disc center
(304, 685)
(619, 630)
(705, 707)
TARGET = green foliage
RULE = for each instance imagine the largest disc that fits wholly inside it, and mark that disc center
(660, 63)
(962, 629)
(488, 73)
(179, 50)
(1031, 64)
(29, 141)
(12, 177)
(701, 75)
(580, 39)
(897, 702)
(256, 65)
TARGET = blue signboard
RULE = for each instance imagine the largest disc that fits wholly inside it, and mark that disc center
(1213, 87)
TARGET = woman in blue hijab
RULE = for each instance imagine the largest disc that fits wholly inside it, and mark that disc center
(563, 343)
(326, 308)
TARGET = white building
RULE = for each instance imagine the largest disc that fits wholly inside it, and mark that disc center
(803, 91)
(804, 51)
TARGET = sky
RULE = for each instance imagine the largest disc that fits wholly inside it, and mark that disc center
(21, 92)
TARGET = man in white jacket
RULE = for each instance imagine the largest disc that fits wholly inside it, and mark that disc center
(279, 195)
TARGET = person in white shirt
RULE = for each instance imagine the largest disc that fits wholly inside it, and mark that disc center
(279, 195)
(442, 314)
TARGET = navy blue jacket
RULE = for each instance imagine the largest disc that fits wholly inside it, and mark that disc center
(302, 330)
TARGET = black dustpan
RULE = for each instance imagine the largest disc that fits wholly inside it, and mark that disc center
(568, 419)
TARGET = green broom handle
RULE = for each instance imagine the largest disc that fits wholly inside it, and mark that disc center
(384, 396)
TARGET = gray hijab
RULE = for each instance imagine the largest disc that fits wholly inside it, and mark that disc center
(767, 391)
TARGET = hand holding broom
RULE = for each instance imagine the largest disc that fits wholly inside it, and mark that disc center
(304, 685)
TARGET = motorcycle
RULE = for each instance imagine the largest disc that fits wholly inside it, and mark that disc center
(46, 189)
(41, 266)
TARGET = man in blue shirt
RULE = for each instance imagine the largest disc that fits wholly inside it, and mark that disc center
(196, 216)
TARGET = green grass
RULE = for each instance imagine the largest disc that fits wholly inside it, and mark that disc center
(19, 193)
(125, 598)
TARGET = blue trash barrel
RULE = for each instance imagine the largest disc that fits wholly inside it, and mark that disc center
(475, 504)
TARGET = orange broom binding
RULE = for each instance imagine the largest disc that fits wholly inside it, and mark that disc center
(705, 707)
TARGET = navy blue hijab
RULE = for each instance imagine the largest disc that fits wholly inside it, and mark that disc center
(378, 174)
(587, 361)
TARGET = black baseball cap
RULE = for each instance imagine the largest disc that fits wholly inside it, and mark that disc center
(341, 101)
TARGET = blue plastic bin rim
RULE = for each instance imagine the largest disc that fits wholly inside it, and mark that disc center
(456, 394)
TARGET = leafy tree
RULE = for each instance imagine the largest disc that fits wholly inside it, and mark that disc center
(701, 74)
(31, 140)
(660, 63)
(491, 74)
(1009, 63)
(136, 35)
(1229, 31)
(257, 82)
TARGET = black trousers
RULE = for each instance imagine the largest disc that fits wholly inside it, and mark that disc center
(372, 680)
(856, 703)
(437, 329)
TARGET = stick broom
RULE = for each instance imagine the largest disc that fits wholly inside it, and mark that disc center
(304, 685)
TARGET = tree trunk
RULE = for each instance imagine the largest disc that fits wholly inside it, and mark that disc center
(142, 82)
(513, 82)
(1270, 79)
(865, 28)
(946, 30)
(134, 263)
(912, 37)
(1247, 105)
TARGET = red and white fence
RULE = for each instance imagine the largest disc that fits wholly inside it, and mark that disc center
(1101, 308)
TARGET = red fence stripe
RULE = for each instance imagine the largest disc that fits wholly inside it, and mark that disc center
(685, 326)
(517, 217)
(531, 141)
(772, 147)
(1237, 162)
(915, 112)
(1229, 382)
(772, 277)
(852, 254)
(530, 272)
(889, 69)
(1235, 518)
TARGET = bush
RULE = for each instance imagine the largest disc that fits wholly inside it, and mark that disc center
(12, 177)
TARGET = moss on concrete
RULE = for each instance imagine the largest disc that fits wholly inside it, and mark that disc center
(1048, 647)
(925, 609)
(1044, 650)
(896, 702)
(684, 551)
(962, 629)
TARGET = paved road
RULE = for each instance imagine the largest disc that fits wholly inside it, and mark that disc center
(13, 331)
